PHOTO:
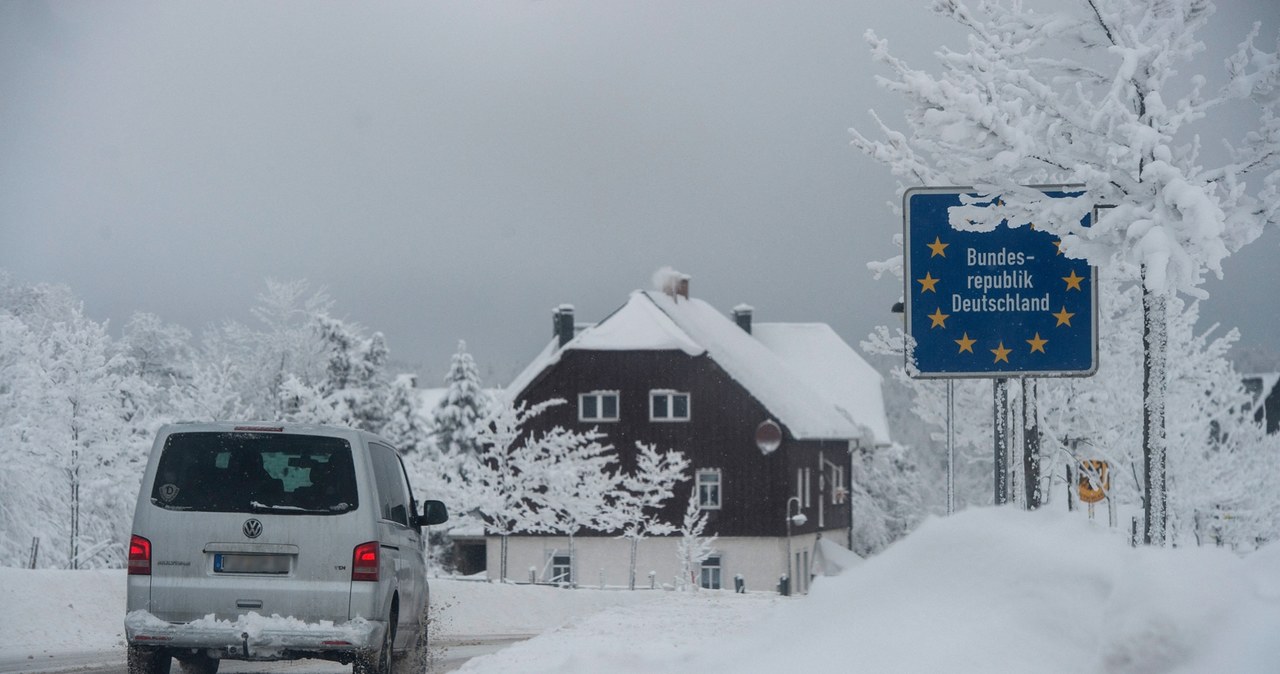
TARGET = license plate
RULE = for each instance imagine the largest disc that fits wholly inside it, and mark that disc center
(223, 563)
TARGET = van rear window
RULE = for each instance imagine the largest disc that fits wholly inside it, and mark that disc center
(255, 473)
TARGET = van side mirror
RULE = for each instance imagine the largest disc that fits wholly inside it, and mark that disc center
(433, 512)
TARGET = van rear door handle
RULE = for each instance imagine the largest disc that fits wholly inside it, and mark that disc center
(248, 603)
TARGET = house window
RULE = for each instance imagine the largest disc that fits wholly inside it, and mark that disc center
(598, 406)
(668, 406)
(561, 569)
(838, 492)
(709, 577)
(709, 489)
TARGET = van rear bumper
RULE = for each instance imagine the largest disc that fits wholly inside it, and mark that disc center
(255, 637)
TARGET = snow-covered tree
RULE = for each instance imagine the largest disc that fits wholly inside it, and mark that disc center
(511, 468)
(528, 481)
(408, 423)
(214, 392)
(1101, 94)
(353, 382)
(73, 460)
(440, 444)
(162, 360)
(21, 519)
(460, 411)
(644, 492)
(693, 548)
(285, 343)
(582, 481)
(886, 496)
(160, 353)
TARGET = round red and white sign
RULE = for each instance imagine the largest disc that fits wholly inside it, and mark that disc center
(768, 436)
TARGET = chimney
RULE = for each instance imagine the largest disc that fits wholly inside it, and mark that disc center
(742, 316)
(562, 323)
(672, 283)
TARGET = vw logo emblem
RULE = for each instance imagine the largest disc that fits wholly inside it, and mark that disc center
(252, 528)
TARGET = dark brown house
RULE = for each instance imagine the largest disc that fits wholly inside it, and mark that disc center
(767, 415)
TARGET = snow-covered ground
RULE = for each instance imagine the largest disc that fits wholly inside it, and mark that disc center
(47, 614)
(987, 590)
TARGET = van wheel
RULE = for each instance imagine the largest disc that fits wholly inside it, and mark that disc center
(416, 659)
(198, 664)
(143, 660)
(379, 661)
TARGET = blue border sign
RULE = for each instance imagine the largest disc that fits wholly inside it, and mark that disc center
(1004, 303)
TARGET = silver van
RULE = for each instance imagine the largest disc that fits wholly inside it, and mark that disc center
(260, 541)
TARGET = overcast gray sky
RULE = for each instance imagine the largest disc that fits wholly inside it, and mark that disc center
(454, 170)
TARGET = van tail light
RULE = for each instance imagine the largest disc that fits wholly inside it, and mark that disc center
(139, 556)
(364, 562)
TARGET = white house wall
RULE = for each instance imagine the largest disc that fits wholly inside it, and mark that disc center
(601, 560)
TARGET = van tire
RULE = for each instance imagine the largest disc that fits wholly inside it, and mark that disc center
(379, 661)
(416, 659)
(143, 660)
(198, 664)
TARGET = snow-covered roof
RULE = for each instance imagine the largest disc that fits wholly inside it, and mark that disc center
(1268, 381)
(638, 326)
(790, 386)
(549, 356)
(821, 357)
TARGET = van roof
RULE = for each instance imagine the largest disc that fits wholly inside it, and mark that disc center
(268, 427)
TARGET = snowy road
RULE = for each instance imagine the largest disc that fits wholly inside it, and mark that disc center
(446, 656)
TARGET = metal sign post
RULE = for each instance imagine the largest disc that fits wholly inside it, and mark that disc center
(1030, 444)
(1000, 411)
(951, 446)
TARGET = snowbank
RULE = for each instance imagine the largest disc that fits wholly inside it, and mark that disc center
(988, 590)
(1004, 590)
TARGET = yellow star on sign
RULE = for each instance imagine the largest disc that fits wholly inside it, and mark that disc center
(1001, 353)
(937, 247)
(1073, 281)
(1058, 245)
(1037, 344)
(1064, 317)
(965, 343)
(939, 319)
(928, 283)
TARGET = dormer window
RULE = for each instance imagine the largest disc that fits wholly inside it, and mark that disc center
(598, 406)
(668, 406)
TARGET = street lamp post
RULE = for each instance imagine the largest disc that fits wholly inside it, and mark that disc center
(799, 519)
